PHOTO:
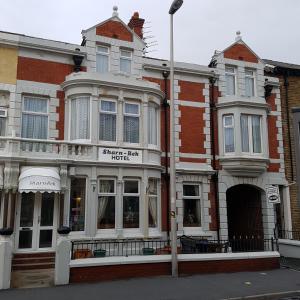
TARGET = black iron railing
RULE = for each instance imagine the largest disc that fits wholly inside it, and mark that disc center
(186, 245)
(288, 234)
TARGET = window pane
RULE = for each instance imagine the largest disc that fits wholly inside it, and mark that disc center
(229, 139)
(2, 126)
(152, 125)
(125, 53)
(125, 65)
(249, 86)
(152, 187)
(35, 105)
(108, 106)
(230, 84)
(191, 190)
(244, 133)
(107, 130)
(46, 238)
(192, 213)
(256, 134)
(77, 204)
(107, 186)
(80, 118)
(131, 129)
(101, 63)
(102, 49)
(130, 212)
(34, 126)
(47, 210)
(106, 212)
(228, 120)
(131, 108)
(152, 215)
(131, 187)
(27, 209)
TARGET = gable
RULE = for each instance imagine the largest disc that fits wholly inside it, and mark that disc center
(115, 30)
(240, 52)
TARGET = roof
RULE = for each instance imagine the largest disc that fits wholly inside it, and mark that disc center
(281, 64)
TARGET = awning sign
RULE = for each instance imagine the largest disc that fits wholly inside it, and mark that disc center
(273, 194)
(120, 155)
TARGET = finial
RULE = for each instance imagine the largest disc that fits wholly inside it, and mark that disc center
(115, 11)
(238, 36)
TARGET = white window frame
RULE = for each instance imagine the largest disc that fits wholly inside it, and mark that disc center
(83, 141)
(254, 81)
(250, 140)
(234, 73)
(193, 230)
(110, 113)
(108, 231)
(132, 115)
(131, 230)
(36, 113)
(3, 115)
(156, 180)
(99, 52)
(228, 126)
(156, 108)
(126, 58)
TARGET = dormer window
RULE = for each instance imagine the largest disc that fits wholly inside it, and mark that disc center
(230, 75)
(249, 83)
(125, 61)
(102, 59)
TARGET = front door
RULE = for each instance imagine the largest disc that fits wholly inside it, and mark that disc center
(36, 216)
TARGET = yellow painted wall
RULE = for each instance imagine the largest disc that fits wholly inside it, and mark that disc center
(8, 65)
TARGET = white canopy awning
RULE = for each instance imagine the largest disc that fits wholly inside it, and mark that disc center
(39, 179)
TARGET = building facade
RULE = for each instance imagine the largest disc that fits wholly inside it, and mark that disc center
(85, 141)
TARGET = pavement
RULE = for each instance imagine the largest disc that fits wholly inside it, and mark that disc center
(276, 284)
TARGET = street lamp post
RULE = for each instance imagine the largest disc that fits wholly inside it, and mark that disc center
(174, 7)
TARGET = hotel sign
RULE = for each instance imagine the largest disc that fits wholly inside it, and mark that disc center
(273, 194)
(39, 184)
(120, 155)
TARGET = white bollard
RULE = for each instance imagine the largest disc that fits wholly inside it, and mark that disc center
(5, 262)
(62, 260)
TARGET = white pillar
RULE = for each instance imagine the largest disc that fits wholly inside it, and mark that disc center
(62, 260)
(5, 262)
(287, 208)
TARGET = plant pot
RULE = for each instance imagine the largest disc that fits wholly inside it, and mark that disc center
(99, 253)
(148, 251)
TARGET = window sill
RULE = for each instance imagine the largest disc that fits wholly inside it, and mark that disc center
(195, 231)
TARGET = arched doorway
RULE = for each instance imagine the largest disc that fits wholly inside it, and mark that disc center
(244, 217)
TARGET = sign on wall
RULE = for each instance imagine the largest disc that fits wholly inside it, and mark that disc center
(273, 194)
(129, 156)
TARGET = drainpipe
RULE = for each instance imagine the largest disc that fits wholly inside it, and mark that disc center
(286, 86)
(166, 175)
(215, 176)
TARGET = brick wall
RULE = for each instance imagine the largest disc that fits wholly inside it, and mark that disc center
(290, 162)
(115, 30)
(240, 52)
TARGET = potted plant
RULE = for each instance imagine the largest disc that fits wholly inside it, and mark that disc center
(99, 252)
(148, 251)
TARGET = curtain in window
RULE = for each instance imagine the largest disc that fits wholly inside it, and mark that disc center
(131, 129)
(107, 131)
(2, 126)
(152, 125)
(230, 84)
(229, 140)
(153, 210)
(244, 133)
(101, 63)
(80, 118)
(198, 212)
(34, 126)
(256, 134)
(35, 105)
(249, 86)
(125, 65)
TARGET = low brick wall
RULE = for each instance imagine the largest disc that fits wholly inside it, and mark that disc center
(93, 271)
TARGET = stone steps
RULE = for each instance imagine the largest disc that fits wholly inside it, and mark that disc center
(33, 261)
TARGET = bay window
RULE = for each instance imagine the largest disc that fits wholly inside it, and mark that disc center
(131, 199)
(35, 118)
(191, 205)
(125, 61)
(230, 80)
(152, 124)
(77, 204)
(249, 83)
(131, 122)
(80, 118)
(152, 202)
(228, 125)
(107, 121)
(106, 204)
(251, 133)
(102, 59)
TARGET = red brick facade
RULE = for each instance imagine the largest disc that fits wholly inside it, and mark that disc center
(60, 124)
(115, 30)
(191, 91)
(240, 52)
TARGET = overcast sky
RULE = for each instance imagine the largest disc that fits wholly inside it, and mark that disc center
(269, 27)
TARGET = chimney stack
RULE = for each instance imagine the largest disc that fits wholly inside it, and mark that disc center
(136, 23)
